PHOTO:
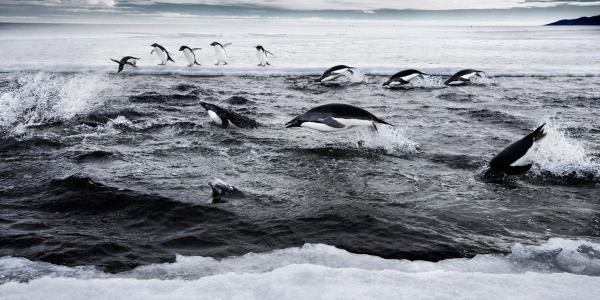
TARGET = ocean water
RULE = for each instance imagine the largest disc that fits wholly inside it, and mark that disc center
(104, 176)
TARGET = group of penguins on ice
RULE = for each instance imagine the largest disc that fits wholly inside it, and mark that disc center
(512, 160)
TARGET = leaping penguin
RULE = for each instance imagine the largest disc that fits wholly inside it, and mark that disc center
(220, 52)
(402, 77)
(190, 55)
(335, 117)
(516, 158)
(335, 72)
(162, 53)
(222, 117)
(126, 60)
(462, 77)
(261, 55)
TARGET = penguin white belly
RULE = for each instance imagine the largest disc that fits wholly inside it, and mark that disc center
(525, 159)
(320, 126)
(331, 76)
(213, 116)
(395, 83)
(221, 54)
(354, 122)
(161, 54)
(189, 56)
(409, 77)
(468, 76)
(262, 57)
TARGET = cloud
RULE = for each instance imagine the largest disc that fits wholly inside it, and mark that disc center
(66, 3)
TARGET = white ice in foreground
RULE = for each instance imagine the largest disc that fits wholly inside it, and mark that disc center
(552, 270)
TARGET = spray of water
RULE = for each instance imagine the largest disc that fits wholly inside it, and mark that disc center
(391, 140)
(40, 98)
(559, 156)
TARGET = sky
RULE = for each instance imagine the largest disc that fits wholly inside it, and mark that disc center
(527, 12)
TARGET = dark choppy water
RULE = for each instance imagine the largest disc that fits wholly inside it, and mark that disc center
(112, 170)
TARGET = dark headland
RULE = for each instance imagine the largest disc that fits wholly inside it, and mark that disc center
(583, 21)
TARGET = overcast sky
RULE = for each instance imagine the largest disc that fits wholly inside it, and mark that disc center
(177, 11)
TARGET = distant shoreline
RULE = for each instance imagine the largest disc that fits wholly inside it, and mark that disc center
(583, 21)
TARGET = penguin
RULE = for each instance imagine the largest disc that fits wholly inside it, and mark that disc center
(222, 117)
(126, 60)
(190, 55)
(220, 52)
(221, 189)
(261, 55)
(335, 72)
(335, 117)
(462, 77)
(162, 53)
(402, 77)
(515, 159)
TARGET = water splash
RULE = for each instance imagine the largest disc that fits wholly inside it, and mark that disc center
(41, 98)
(483, 80)
(391, 140)
(560, 157)
(427, 82)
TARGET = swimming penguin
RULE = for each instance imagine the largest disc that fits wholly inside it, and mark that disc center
(402, 77)
(220, 52)
(162, 53)
(335, 117)
(335, 72)
(462, 77)
(126, 60)
(190, 55)
(515, 159)
(222, 117)
(261, 55)
(221, 189)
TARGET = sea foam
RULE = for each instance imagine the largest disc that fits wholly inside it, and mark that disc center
(556, 269)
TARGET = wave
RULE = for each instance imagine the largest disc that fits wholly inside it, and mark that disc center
(33, 99)
(552, 270)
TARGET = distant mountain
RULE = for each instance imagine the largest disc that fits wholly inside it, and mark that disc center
(585, 21)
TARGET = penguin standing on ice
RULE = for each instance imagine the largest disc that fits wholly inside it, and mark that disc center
(402, 78)
(189, 54)
(335, 117)
(126, 60)
(220, 52)
(335, 72)
(261, 55)
(462, 77)
(516, 158)
(162, 53)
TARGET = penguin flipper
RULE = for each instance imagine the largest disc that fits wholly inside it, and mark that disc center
(332, 123)
(194, 49)
(227, 44)
(224, 122)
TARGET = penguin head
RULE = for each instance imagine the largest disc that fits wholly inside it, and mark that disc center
(259, 47)
(154, 45)
(293, 123)
(214, 44)
(182, 48)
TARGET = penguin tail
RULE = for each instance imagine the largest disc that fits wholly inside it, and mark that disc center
(387, 83)
(539, 133)
(382, 121)
(196, 63)
(169, 58)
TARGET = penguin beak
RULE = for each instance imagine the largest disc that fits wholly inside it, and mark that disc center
(292, 123)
